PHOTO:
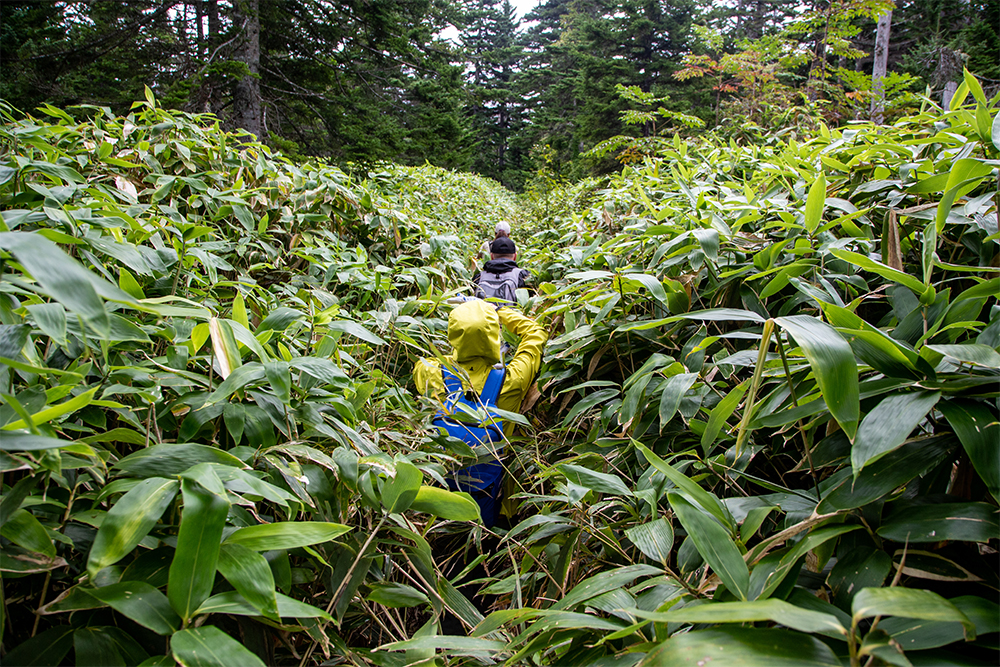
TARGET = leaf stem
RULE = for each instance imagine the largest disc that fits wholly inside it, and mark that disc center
(758, 371)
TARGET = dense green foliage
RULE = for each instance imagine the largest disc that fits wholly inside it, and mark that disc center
(766, 425)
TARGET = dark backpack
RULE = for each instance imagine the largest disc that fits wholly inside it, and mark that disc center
(499, 286)
(483, 481)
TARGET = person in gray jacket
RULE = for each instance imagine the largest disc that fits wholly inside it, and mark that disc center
(501, 275)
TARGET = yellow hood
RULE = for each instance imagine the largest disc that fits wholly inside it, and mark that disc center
(474, 332)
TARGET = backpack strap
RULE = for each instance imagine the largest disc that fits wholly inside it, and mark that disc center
(494, 383)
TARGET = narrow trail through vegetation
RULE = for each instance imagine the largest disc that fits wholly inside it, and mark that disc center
(764, 429)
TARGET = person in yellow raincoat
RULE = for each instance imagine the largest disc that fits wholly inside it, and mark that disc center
(474, 334)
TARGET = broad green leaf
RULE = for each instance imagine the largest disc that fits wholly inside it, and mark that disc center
(356, 330)
(396, 595)
(721, 314)
(242, 481)
(158, 661)
(13, 338)
(974, 86)
(24, 530)
(192, 572)
(978, 430)
(231, 602)
(651, 283)
(323, 370)
(708, 239)
(129, 521)
(995, 132)
(61, 276)
(227, 354)
(746, 647)
(880, 351)
(815, 203)
(281, 380)
(861, 567)
(886, 272)
(908, 603)
(833, 365)
(777, 611)
(48, 647)
(106, 646)
(72, 599)
(250, 574)
(964, 172)
(595, 481)
(55, 411)
(842, 491)
(916, 635)
(445, 504)
(604, 582)
(279, 319)
(10, 500)
(129, 285)
(695, 493)
(929, 253)
(714, 544)
(286, 535)
(239, 378)
(243, 336)
(711, 315)
(208, 646)
(173, 459)
(141, 603)
(721, 412)
(597, 398)
(753, 521)
(51, 319)
(673, 391)
(239, 313)
(889, 424)
(770, 582)
(970, 522)
(970, 353)
(399, 492)
(654, 539)
(28, 442)
(447, 643)
(635, 395)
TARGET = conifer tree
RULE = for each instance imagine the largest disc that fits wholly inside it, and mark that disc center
(494, 110)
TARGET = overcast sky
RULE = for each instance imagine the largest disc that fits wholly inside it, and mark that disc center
(523, 6)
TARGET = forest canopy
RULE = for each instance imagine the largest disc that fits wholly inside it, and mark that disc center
(470, 86)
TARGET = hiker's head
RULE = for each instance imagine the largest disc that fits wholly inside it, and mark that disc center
(502, 230)
(474, 331)
(503, 248)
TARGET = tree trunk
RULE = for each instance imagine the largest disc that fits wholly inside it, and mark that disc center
(879, 67)
(949, 91)
(246, 92)
(199, 19)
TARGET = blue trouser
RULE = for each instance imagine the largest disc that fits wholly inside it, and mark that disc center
(484, 482)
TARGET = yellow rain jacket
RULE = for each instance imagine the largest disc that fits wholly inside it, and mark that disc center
(474, 334)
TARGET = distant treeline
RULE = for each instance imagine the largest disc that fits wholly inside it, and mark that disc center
(465, 85)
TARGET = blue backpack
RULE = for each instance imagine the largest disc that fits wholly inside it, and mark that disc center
(483, 481)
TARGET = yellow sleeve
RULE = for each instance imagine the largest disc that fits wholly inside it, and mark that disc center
(524, 366)
(427, 377)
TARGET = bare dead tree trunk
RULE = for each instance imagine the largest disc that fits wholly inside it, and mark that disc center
(246, 92)
(879, 67)
(947, 94)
